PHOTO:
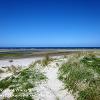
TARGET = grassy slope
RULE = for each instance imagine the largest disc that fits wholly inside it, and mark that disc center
(81, 76)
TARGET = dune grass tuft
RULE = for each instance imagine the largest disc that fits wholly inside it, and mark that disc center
(1, 71)
(46, 60)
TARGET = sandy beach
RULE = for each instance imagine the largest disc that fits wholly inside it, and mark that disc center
(19, 62)
(51, 90)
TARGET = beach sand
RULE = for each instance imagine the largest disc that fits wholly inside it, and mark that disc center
(19, 62)
(52, 89)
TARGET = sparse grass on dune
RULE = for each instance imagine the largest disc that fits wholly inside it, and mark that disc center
(47, 60)
(23, 83)
(11, 69)
(81, 76)
(14, 69)
(1, 71)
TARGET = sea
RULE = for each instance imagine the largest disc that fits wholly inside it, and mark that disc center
(49, 47)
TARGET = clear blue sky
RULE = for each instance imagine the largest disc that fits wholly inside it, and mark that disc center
(49, 23)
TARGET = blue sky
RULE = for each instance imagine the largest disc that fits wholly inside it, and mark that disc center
(49, 23)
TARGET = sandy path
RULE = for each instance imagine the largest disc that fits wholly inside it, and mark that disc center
(53, 88)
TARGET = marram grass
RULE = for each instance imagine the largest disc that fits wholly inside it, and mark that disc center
(81, 76)
(23, 83)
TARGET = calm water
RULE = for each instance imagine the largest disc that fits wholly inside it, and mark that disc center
(49, 47)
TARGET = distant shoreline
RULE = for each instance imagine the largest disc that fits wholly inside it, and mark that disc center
(29, 53)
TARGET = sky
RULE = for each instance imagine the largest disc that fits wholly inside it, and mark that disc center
(48, 23)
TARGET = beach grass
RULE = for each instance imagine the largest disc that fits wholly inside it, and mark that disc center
(81, 76)
(23, 84)
(47, 59)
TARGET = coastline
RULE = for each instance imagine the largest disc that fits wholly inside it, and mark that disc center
(30, 53)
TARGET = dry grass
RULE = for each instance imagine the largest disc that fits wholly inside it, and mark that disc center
(1, 71)
(46, 60)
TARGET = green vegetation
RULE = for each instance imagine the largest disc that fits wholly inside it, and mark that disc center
(24, 83)
(21, 98)
(10, 55)
(5, 83)
(81, 76)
